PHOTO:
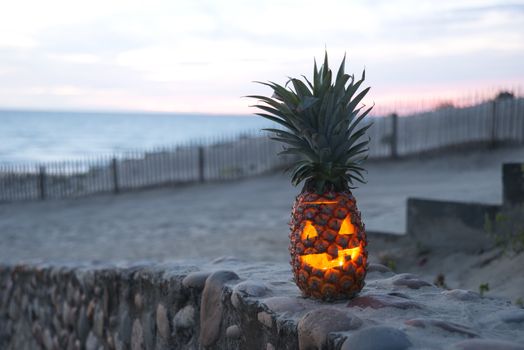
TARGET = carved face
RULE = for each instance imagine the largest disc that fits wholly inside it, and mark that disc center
(334, 257)
(328, 245)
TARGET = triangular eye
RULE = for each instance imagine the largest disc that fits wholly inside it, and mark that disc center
(309, 231)
(346, 228)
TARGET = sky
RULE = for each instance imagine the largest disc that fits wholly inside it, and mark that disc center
(203, 56)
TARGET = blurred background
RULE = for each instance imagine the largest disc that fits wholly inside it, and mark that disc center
(124, 134)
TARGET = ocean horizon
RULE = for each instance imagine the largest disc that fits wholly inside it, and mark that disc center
(31, 136)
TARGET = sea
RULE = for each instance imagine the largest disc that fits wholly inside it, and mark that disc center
(48, 136)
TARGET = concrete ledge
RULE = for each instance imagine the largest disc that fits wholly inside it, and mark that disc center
(447, 225)
(379, 240)
(513, 184)
(232, 304)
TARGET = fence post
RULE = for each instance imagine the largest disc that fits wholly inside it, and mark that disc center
(114, 170)
(493, 140)
(394, 136)
(201, 164)
(41, 182)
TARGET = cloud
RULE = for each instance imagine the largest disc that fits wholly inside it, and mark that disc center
(81, 58)
(201, 56)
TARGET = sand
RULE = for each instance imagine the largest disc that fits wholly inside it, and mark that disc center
(247, 218)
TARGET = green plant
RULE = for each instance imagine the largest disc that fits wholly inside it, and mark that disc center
(520, 303)
(388, 261)
(422, 249)
(440, 281)
(483, 288)
(507, 229)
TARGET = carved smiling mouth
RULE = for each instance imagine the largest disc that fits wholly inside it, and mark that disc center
(325, 261)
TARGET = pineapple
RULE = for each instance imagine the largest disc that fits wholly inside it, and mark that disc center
(321, 122)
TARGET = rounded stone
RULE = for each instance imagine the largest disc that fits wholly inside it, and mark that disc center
(265, 318)
(284, 304)
(486, 344)
(13, 311)
(82, 325)
(98, 322)
(92, 342)
(184, 318)
(69, 315)
(314, 327)
(251, 288)
(63, 338)
(411, 281)
(77, 297)
(462, 295)
(71, 342)
(137, 336)
(226, 260)
(513, 316)
(233, 332)
(139, 302)
(36, 330)
(162, 322)
(113, 321)
(236, 300)
(25, 301)
(377, 338)
(445, 325)
(110, 341)
(119, 344)
(211, 306)
(56, 323)
(148, 327)
(56, 344)
(196, 280)
(70, 293)
(378, 268)
(47, 340)
(124, 327)
(105, 300)
(90, 309)
(378, 301)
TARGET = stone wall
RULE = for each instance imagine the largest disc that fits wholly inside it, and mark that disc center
(137, 307)
(230, 304)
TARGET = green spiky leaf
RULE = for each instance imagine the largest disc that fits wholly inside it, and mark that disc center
(323, 127)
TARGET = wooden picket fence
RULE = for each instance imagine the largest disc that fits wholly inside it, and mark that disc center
(229, 158)
(488, 122)
(222, 158)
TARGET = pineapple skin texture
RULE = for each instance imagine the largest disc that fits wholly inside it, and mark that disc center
(333, 283)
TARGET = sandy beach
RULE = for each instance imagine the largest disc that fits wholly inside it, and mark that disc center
(247, 219)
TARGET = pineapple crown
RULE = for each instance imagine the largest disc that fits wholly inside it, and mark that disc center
(320, 121)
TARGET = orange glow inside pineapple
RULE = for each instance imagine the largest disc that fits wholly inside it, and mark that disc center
(346, 228)
(319, 202)
(325, 261)
(309, 231)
